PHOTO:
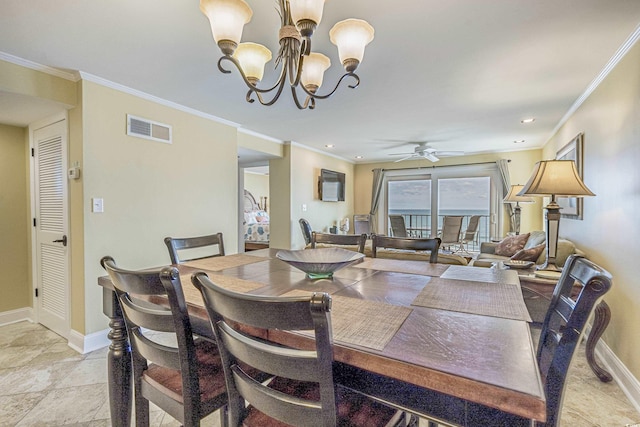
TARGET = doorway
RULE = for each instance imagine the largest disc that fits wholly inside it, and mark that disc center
(51, 225)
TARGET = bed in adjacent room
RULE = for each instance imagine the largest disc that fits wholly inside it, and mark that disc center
(256, 224)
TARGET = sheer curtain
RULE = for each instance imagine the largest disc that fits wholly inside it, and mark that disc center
(376, 190)
(503, 168)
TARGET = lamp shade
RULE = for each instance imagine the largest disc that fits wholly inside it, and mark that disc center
(252, 58)
(555, 178)
(306, 9)
(227, 18)
(513, 197)
(351, 36)
(313, 68)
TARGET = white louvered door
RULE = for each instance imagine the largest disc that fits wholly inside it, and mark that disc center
(52, 250)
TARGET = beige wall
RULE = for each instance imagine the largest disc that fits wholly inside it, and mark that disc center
(15, 286)
(150, 189)
(520, 168)
(258, 185)
(293, 183)
(610, 230)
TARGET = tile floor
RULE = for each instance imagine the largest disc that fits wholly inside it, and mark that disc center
(43, 382)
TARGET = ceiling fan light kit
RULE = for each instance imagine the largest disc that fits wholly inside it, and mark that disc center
(300, 67)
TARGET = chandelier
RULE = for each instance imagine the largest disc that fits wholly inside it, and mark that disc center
(300, 67)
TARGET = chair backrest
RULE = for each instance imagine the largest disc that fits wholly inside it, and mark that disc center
(339, 239)
(144, 319)
(306, 230)
(191, 244)
(451, 226)
(362, 224)
(406, 243)
(564, 324)
(398, 228)
(472, 229)
(283, 313)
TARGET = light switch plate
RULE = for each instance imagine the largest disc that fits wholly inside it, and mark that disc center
(97, 205)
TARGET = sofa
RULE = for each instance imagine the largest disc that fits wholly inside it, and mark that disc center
(529, 247)
(400, 254)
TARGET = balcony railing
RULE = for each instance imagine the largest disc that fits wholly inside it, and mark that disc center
(420, 226)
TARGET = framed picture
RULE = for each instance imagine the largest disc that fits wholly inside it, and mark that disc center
(572, 206)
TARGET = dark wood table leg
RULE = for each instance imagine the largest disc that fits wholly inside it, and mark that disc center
(118, 362)
(600, 323)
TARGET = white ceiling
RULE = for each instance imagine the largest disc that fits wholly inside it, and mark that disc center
(458, 73)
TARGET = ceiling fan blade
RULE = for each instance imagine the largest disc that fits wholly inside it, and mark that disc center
(431, 157)
(449, 153)
(400, 154)
(405, 158)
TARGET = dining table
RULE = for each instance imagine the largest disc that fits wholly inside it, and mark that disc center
(447, 342)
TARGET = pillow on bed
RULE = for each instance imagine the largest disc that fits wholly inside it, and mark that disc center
(262, 216)
(250, 218)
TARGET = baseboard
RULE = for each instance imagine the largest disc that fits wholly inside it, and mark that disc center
(14, 316)
(625, 379)
(88, 343)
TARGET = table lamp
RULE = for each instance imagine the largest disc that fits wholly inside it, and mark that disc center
(513, 197)
(555, 178)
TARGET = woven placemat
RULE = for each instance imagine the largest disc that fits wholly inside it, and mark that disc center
(487, 299)
(193, 296)
(401, 266)
(365, 323)
(222, 262)
(481, 274)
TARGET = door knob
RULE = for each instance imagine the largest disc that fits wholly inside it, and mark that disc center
(63, 240)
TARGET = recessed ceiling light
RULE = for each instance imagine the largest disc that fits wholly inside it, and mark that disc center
(530, 120)
(358, 157)
(518, 141)
(329, 145)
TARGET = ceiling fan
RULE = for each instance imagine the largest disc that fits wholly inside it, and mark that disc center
(423, 150)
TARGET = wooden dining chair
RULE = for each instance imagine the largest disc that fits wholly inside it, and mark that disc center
(306, 230)
(192, 244)
(358, 240)
(564, 325)
(184, 379)
(386, 242)
(302, 392)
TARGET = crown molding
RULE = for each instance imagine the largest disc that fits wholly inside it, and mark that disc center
(611, 64)
(315, 150)
(260, 135)
(72, 76)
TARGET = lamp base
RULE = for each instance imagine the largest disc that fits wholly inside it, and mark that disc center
(548, 267)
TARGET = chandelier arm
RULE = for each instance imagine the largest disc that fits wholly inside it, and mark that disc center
(309, 102)
(345, 75)
(259, 93)
(251, 86)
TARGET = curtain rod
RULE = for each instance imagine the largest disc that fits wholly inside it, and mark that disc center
(437, 166)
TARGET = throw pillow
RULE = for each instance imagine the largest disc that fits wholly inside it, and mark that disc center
(512, 244)
(530, 254)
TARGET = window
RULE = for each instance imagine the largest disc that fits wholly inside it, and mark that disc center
(447, 190)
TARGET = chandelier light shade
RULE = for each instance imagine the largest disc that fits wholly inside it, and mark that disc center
(299, 67)
(513, 197)
(313, 71)
(351, 36)
(555, 178)
(227, 18)
(252, 58)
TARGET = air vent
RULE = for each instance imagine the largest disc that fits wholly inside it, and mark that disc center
(148, 129)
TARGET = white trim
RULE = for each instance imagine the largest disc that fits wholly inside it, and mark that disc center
(611, 64)
(74, 77)
(15, 316)
(122, 88)
(306, 147)
(87, 343)
(629, 384)
(260, 135)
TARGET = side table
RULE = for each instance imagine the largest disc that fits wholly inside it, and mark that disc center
(537, 294)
